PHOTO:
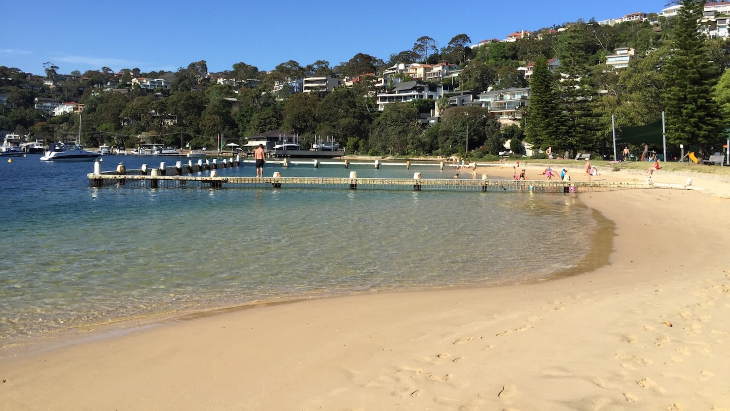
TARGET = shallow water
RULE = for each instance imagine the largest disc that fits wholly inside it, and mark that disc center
(75, 255)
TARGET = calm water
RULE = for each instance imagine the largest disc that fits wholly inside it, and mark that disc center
(74, 255)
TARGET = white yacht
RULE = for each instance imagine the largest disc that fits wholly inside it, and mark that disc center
(11, 146)
(61, 152)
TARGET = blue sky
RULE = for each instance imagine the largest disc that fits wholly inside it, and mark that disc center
(166, 35)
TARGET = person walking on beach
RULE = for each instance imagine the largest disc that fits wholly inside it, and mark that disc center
(588, 169)
(260, 156)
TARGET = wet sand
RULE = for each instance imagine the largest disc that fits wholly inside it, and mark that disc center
(650, 330)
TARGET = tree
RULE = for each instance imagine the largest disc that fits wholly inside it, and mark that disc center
(424, 47)
(299, 113)
(243, 71)
(342, 114)
(692, 116)
(456, 50)
(396, 131)
(544, 120)
(478, 76)
(50, 69)
(575, 91)
(404, 57)
(359, 64)
(320, 68)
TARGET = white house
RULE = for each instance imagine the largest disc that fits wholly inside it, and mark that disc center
(46, 105)
(553, 64)
(506, 106)
(67, 108)
(620, 57)
(151, 84)
(409, 91)
(319, 84)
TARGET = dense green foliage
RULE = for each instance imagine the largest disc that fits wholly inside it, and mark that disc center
(676, 70)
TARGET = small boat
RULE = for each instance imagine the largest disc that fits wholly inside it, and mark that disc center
(168, 151)
(34, 147)
(104, 150)
(11, 146)
(61, 152)
(196, 154)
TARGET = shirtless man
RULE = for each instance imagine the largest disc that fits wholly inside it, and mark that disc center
(260, 156)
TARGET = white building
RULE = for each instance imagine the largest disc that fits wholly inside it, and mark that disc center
(68, 108)
(151, 84)
(46, 105)
(409, 91)
(506, 106)
(318, 84)
(621, 57)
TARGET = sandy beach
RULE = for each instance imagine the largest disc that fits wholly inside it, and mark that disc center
(649, 330)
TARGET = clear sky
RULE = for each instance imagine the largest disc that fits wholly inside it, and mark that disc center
(165, 35)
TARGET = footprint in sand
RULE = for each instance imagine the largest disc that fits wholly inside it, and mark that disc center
(675, 407)
(462, 340)
(648, 383)
(693, 328)
(443, 355)
(457, 360)
(631, 339)
(705, 318)
(628, 366)
(649, 328)
(705, 376)
(685, 315)
(673, 360)
(416, 393)
(503, 333)
(489, 347)
(661, 341)
(630, 397)
(533, 319)
(684, 351)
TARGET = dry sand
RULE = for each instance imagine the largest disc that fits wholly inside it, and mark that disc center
(648, 331)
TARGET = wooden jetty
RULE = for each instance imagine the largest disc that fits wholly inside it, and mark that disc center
(178, 177)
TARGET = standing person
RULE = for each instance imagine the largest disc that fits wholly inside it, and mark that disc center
(626, 153)
(588, 169)
(522, 174)
(260, 156)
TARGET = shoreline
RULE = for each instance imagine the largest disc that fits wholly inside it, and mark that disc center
(598, 338)
(596, 257)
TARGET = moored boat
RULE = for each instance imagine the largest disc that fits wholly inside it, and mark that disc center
(11, 146)
(61, 152)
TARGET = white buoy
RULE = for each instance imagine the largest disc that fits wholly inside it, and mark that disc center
(353, 174)
(97, 168)
(377, 164)
(144, 169)
(277, 174)
(416, 176)
(155, 172)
